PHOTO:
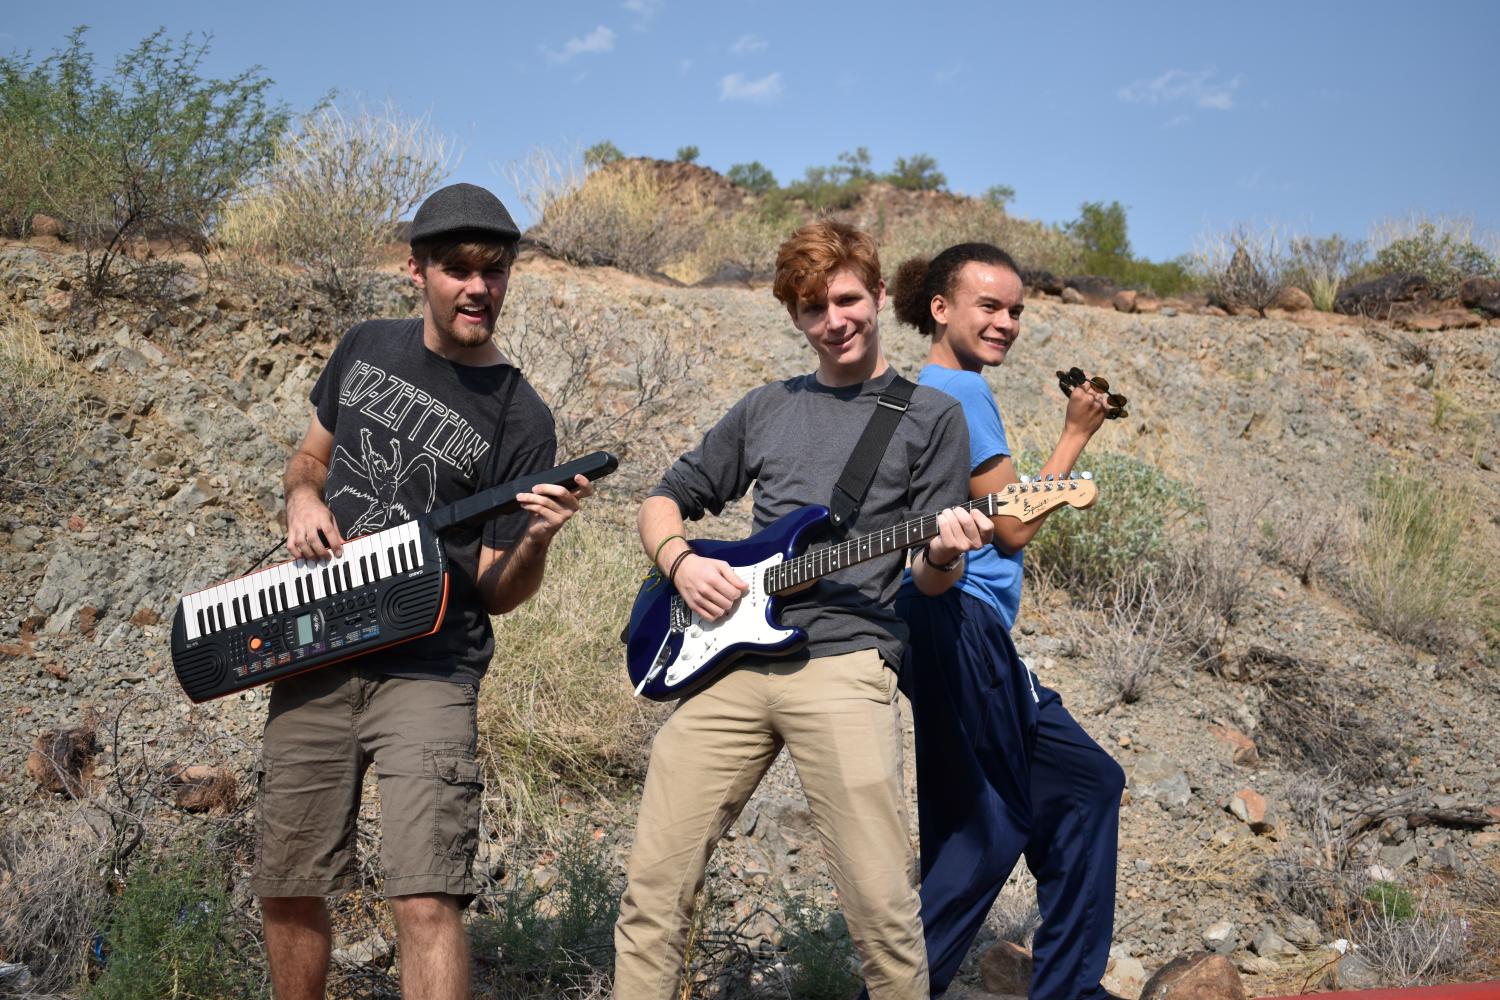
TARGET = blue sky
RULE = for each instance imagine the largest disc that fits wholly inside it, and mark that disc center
(1322, 117)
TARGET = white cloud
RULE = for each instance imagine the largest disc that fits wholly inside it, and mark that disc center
(642, 8)
(746, 44)
(1202, 89)
(601, 39)
(735, 87)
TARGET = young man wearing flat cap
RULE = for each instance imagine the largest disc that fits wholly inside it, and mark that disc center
(408, 415)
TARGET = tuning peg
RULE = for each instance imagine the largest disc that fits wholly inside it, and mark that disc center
(1025, 480)
(1087, 475)
(1072, 475)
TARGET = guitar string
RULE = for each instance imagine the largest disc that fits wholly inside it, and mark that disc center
(820, 562)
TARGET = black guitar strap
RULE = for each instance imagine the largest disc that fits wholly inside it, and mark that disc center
(854, 482)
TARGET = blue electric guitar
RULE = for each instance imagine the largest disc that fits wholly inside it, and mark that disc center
(670, 650)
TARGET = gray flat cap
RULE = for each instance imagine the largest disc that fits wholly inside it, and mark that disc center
(462, 208)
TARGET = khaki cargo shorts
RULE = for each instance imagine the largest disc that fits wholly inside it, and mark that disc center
(324, 729)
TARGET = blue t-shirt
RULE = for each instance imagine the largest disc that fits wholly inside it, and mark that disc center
(989, 574)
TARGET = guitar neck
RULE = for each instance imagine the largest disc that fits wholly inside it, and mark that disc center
(1023, 501)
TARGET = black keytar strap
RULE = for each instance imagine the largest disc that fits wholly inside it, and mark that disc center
(854, 482)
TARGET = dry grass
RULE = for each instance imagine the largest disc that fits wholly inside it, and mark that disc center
(1247, 267)
(556, 714)
(330, 199)
(1032, 244)
(620, 214)
(1315, 720)
(39, 419)
(1418, 572)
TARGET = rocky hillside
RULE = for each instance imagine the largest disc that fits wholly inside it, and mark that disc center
(1234, 805)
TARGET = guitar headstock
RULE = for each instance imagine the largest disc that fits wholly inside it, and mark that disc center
(1031, 498)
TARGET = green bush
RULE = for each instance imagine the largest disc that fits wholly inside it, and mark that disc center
(917, 173)
(754, 177)
(152, 152)
(818, 950)
(1321, 265)
(828, 189)
(1441, 253)
(687, 154)
(1127, 532)
(171, 934)
(544, 940)
(602, 154)
(1392, 901)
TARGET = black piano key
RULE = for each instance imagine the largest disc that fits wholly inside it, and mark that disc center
(348, 577)
(202, 628)
(284, 602)
(327, 584)
(245, 606)
(413, 546)
(390, 559)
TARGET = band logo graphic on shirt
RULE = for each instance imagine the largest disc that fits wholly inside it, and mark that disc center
(390, 487)
(395, 403)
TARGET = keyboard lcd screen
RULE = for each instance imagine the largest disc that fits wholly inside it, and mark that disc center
(304, 630)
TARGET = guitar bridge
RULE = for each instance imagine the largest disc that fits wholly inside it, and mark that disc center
(680, 616)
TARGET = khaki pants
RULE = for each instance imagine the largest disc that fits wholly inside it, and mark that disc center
(837, 718)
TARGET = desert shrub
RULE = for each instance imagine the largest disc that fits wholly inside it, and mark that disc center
(39, 421)
(1032, 244)
(52, 897)
(335, 189)
(1243, 268)
(1126, 533)
(601, 154)
(1321, 265)
(556, 711)
(1409, 940)
(611, 383)
(153, 151)
(1416, 572)
(819, 952)
(171, 933)
(747, 239)
(621, 214)
(1145, 622)
(687, 154)
(1318, 723)
(1101, 230)
(916, 173)
(1443, 251)
(836, 187)
(545, 940)
(1304, 543)
(754, 177)
(999, 194)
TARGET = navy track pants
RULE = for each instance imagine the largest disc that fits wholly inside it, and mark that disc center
(1003, 771)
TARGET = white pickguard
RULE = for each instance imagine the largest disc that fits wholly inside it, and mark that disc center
(747, 622)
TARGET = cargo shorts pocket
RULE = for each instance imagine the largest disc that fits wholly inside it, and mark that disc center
(459, 787)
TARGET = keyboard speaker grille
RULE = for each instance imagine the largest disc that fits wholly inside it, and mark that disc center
(200, 671)
(412, 605)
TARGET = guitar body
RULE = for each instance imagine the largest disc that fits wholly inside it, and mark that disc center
(670, 651)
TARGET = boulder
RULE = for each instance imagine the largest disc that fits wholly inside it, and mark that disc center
(1379, 297)
(1195, 977)
(1147, 304)
(1293, 299)
(1124, 300)
(1268, 944)
(1446, 319)
(1072, 297)
(1006, 968)
(1096, 291)
(1038, 280)
(1220, 938)
(1482, 294)
(46, 225)
(730, 275)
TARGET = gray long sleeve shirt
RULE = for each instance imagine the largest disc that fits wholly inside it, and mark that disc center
(792, 440)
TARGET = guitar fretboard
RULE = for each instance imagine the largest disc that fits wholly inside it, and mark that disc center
(817, 563)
